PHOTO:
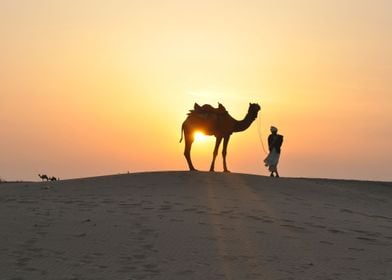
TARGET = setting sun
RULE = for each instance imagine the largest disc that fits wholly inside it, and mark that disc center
(200, 137)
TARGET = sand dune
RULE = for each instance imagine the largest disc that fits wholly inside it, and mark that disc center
(184, 225)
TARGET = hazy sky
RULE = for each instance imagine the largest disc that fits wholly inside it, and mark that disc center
(102, 87)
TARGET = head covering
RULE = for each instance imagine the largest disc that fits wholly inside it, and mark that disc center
(273, 129)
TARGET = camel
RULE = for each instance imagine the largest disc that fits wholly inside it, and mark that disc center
(216, 122)
(43, 177)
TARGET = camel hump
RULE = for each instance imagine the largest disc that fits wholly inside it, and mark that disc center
(207, 108)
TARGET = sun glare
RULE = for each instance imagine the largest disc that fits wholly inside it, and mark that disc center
(199, 136)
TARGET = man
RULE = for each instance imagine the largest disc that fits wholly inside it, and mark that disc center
(274, 143)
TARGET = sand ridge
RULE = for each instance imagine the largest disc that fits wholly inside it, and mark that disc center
(196, 225)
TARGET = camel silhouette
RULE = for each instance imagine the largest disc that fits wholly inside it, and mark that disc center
(217, 122)
(43, 177)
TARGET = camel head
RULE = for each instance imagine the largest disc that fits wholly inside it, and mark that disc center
(254, 109)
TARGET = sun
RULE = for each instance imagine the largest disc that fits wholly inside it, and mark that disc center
(199, 136)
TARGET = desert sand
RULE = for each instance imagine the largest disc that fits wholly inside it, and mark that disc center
(196, 225)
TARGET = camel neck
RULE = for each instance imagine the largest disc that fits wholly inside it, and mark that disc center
(245, 123)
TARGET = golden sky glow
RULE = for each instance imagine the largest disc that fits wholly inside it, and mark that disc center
(101, 87)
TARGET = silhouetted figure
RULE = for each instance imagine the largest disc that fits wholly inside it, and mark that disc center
(43, 177)
(275, 141)
(217, 122)
(53, 178)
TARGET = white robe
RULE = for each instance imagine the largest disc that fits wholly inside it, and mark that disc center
(272, 160)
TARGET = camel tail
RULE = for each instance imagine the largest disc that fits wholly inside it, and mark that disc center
(182, 131)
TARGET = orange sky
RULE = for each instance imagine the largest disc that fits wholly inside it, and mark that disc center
(92, 87)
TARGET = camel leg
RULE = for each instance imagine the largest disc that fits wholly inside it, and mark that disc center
(187, 151)
(217, 144)
(224, 153)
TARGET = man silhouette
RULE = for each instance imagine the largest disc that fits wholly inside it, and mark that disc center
(275, 141)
